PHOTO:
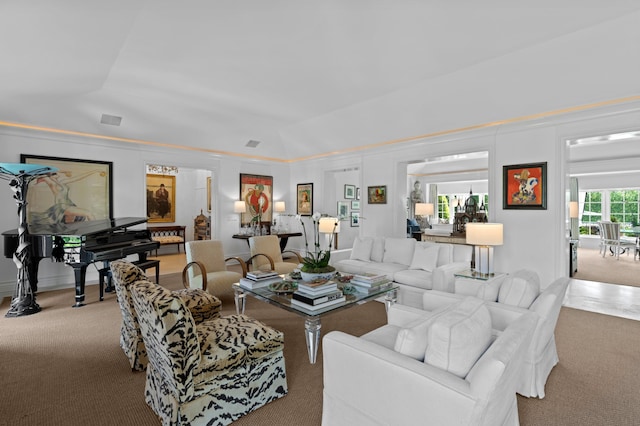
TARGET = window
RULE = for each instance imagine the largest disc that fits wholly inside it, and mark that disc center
(443, 209)
(624, 208)
(616, 205)
(591, 213)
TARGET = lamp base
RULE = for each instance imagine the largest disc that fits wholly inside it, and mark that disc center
(484, 260)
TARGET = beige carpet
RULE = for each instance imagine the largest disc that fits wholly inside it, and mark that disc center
(63, 366)
(593, 267)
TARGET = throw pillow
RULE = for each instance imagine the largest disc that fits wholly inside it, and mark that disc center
(362, 249)
(425, 257)
(520, 289)
(412, 340)
(458, 338)
(399, 250)
(377, 251)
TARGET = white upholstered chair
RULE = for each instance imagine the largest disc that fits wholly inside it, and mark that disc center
(266, 255)
(611, 239)
(207, 269)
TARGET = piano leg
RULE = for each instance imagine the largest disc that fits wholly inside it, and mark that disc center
(32, 273)
(80, 273)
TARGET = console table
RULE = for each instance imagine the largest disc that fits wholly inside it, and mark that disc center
(284, 238)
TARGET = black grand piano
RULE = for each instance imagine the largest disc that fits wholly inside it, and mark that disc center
(79, 244)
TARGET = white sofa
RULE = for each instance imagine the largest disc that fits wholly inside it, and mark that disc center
(368, 380)
(415, 266)
(520, 293)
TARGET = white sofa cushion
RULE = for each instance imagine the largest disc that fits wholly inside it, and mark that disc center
(412, 340)
(377, 250)
(425, 257)
(457, 338)
(417, 278)
(362, 248)
(520, 289)
(399, 250)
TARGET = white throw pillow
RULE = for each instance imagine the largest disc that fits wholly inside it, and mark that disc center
(520, 289)
(377, 251)
(425, 257)
(458, 338)
(399, 250)
(412, 340)
(362, 249)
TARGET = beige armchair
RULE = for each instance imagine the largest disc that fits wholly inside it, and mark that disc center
(210, 373)
(207, 269)
(202, 305)
(266, 255)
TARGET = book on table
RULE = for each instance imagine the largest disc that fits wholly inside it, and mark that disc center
(370, 284)
(317, 300)
(298, 303)
(371, 289)
(369, 277)
(264, 282)
(317, 288)
(261, 275)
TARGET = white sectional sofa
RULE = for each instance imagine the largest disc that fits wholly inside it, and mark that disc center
(415, 266)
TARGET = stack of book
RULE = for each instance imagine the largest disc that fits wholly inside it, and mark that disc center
(313, 296)
(369, 282)
(257, 279)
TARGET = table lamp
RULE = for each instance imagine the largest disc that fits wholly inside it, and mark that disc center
(240, 207)
(330, 225)
(573, 209)
(484, 236)
(424, 210)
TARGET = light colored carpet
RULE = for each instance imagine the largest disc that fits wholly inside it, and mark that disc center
(593, 267)
(64, 366)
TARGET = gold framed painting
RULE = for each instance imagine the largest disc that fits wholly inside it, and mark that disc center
(81, 190)
(377, 194)
(161, 198)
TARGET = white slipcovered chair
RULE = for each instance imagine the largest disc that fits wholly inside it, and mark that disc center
(453, 366)
(611, 239)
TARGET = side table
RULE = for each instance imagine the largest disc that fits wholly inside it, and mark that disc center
(468, 281)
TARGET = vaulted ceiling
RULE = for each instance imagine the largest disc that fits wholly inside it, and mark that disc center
(215, 74)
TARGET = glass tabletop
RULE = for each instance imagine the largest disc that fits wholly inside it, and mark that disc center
(283, 300)
(473, 274)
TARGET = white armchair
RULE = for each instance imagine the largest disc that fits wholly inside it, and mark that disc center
(366, 381)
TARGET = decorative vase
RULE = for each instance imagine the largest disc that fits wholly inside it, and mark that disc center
(310, 276)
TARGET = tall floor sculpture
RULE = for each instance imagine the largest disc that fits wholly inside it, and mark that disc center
(19, 176)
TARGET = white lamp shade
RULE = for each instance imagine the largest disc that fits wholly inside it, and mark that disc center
(573, 209)
(280, 206)
(424, 209)
(239, 207)
(329, 225)
(484, 234)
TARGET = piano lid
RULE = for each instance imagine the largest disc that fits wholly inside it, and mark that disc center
(86, 228)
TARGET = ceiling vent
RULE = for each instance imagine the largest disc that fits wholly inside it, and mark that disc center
(111, 120)
(252, 144)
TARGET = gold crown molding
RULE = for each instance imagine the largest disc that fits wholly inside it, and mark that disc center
(338, 152)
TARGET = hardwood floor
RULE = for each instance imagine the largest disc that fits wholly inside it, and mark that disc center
(610, 299)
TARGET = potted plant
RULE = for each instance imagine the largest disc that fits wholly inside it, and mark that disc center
(315, 264)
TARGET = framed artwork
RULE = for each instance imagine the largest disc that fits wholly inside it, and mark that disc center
(524, 186)
(161, 198)
(357, 193)
(304, 200)
(80, 190)
(343, 209)
(209, 193)
(355, 219)
(377, 194)
(349, 192)
(355, 205)
(257, 193)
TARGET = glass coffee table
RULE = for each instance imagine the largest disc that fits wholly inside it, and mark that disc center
(312, 324)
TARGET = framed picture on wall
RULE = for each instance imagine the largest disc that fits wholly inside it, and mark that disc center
(355, 205)
(524, 186)
(257, 193)
(209, 193)
(343, 209)
(357, 193)
(349, 192)
(355, 219)
(304, 199)
(161, 198)
(377, 194)
(80, 190)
